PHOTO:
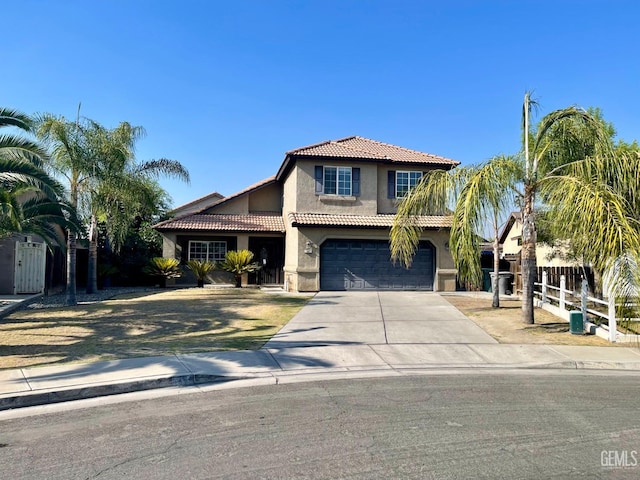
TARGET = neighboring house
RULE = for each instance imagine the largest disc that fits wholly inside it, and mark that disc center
(511, 243)
(322, 222)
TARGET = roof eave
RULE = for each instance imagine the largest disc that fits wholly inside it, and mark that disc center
(290, 160)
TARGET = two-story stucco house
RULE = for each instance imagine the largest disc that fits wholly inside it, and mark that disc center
(322, 222)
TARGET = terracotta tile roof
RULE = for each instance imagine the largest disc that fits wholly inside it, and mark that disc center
(361, 221)
(255, 222)
(364, 148)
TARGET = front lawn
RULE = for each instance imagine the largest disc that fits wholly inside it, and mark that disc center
(145, 324)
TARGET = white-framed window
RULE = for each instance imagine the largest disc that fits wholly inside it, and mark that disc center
(405, 181)
(337, 181)
(207, 251)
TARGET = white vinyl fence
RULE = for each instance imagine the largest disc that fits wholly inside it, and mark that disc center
(560, 301)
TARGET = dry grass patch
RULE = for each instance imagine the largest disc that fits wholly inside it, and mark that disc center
(505, 323)
(173, 321)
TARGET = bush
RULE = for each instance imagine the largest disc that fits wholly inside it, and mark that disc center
(239, 262)
(200, 269)
(163, 268)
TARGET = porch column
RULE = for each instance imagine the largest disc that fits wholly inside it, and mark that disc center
(243, 244)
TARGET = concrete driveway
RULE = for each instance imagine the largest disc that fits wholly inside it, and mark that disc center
(378, 318)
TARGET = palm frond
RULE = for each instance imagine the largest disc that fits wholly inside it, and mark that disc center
(597, 218)
(163, 167)
(14, 118)
(434, 195)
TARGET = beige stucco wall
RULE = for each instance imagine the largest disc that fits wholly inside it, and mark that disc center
(239, 205)
(302, 270)
(169, 245)
(510, 245)
(385, 204)
(307, 201)
(267, 199)
(196, 205)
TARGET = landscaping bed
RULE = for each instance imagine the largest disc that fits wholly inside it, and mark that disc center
(143, 323)
(506, 326)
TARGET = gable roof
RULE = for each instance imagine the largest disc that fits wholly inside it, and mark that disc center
(209, 200)
(361, 148)
(253, 222)
(513, 218)
(249, 189)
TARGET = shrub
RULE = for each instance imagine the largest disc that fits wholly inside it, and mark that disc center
(163, 268)
(200, 269)
(239, 262)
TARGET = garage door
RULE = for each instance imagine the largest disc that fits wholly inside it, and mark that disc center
(366, 265)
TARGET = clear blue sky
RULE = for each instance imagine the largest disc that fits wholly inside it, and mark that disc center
(228, 87)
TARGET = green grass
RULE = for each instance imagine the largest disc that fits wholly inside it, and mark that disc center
(172, 321)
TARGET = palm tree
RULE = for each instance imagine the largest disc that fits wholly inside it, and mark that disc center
(569, 166)
(474, 196)
(124, 187)
(104, 179)
(30, 200)
(70, 159)
(569, 161)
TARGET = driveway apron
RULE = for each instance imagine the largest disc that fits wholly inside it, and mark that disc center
(378, 318)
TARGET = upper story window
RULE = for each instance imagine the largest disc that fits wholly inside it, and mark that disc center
(343, 181)
(207, 251)
(400, 182)
(337, 180)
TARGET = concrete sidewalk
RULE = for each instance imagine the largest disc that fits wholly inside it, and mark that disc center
(38, 386)
(336, 334)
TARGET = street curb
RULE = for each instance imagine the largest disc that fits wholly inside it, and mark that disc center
(32, 399)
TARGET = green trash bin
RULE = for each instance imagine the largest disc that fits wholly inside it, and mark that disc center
(576, 325)
(486, 280)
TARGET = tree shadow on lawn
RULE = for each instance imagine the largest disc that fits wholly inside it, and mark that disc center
(143, 325)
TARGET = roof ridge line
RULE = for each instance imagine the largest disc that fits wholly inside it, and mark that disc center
(358, 149)
(324, 142)
(262, 183)
(406, 149)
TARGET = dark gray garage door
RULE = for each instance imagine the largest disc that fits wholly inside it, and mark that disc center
(366, 265)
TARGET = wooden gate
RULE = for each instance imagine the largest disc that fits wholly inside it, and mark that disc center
(30, 267)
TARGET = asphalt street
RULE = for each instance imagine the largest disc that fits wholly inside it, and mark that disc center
(546, 424)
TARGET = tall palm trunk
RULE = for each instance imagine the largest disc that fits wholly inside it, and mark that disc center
(528, 254)
(92, 267)
(71, 252)
(495, 285)
(71, 270)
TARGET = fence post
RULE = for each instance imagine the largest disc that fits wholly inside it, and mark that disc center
(583, 303)
(613, 323)
(563, 285)
(544, 286)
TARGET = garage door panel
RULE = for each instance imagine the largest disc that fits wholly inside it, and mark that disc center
(366, 265)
